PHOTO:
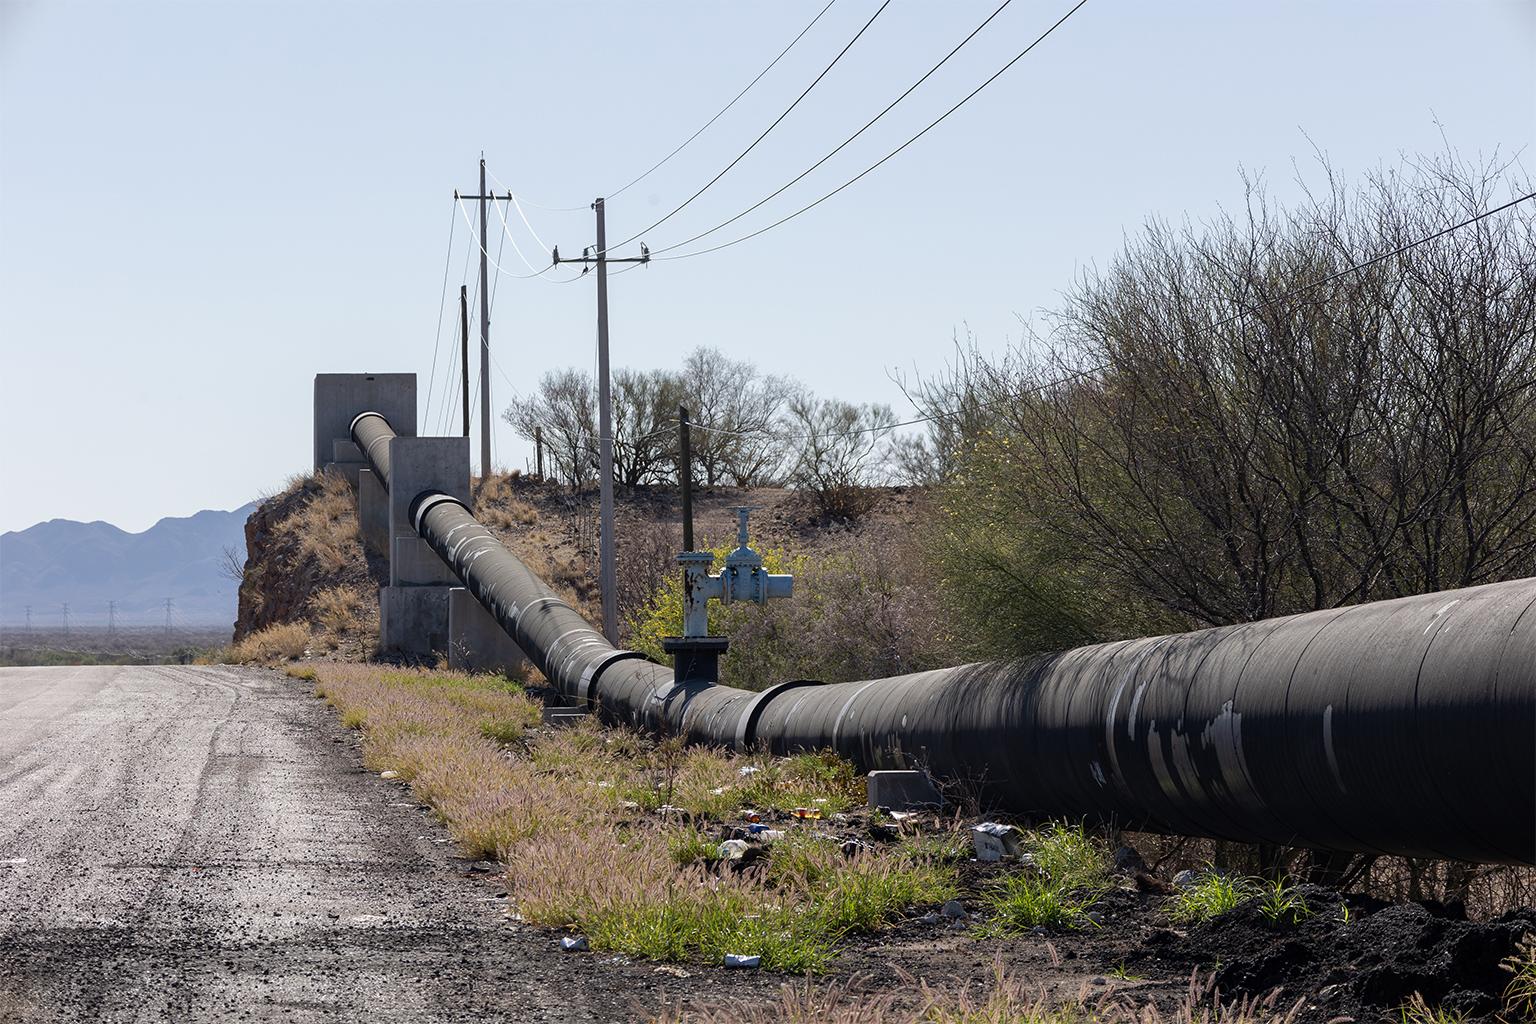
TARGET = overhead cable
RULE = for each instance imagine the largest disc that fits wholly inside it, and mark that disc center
(840, 146)
(680, 207)
(932, 125)
(442, 301)
(684, 144)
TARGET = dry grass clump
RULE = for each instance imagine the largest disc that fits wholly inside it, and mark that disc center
(498, 507)
(282, 642)
(339, 610)
(572, 813)
(1005, 999)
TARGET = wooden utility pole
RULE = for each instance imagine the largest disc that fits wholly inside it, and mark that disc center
(485, 340)
(685, 475)
(538, 449)
(464, 339)
(607, 576)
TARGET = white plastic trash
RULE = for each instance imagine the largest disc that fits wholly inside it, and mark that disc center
(994, 841)
(737, 960)
(733, 849)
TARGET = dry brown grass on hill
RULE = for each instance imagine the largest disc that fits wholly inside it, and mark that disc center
(306, 565)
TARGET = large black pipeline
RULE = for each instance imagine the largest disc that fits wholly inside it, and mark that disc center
(1396, 727)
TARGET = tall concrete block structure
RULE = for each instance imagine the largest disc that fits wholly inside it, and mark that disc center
(339, 397)
(413, 609)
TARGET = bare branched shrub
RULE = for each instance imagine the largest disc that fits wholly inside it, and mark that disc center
(645, 555)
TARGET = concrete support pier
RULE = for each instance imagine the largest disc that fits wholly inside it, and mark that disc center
(339, 397)
(413, 609)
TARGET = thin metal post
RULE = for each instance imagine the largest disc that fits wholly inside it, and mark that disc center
(464, 336)
(485, 341)
(607, 577)
(685, 476)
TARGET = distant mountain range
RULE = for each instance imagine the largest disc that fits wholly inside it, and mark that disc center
(89, 564)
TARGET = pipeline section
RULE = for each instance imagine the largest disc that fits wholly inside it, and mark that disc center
(1397, 727)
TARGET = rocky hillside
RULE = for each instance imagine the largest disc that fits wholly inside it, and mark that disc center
(305, 563)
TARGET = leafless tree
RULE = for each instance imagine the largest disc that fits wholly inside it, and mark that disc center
(565, 409)
(645, 426)
(736, 408)
(841, 450)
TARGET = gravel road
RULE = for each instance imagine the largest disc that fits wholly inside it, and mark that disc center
(200, 844)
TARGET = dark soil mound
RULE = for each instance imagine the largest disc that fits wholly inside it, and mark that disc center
(1377, 959)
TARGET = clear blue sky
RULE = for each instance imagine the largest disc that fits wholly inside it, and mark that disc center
(204, 204)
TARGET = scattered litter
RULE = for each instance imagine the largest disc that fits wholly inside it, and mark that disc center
(629, 805)
(667, 809)
(994, 841)
(604, 784)
(852, 848)
(389, 773)
(901, 815)
(676, 972)
(954, 909)
(717, 791)
(402, 803)
(574, 944)
(769, 835)
(737, 960)
(732, 849)
(750, 815)
(756, 828)
(807, 813)
(749, 769)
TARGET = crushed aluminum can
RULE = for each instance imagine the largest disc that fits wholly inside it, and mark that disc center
(574, 944)
(738, 960)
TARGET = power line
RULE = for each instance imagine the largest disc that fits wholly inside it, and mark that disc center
(878, 11)
(842, 145)
(684, 144)
(437, 344)
(932, 125)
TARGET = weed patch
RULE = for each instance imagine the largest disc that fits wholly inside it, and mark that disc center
(572, 814)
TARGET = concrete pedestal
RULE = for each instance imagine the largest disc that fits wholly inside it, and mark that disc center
(414, 609)
(902, 790)
(414, 620)
(340, 397)
(372, 512)
(477, 643)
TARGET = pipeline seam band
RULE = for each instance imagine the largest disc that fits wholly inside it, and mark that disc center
(586, 689)
(746, 728)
